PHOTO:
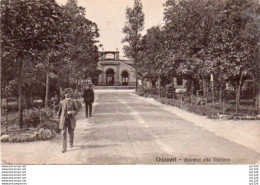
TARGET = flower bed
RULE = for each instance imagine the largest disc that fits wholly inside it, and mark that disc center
(198, 109)
(44, 131)
(40, 134)
(38, 125)
(214, 111)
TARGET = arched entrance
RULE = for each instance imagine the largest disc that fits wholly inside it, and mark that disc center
(125, 78)
(110, 77)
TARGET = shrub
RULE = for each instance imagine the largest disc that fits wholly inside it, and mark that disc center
(47, 114)
(198, 109)
(248, 93)
(13, 107)
(52, 125)
(33, 116)
(197, 105)
(242, 102)
(141, 92)
(168, 91)
(229, 95)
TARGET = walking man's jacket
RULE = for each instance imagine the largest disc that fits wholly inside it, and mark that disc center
(65, 108)
(88, 96)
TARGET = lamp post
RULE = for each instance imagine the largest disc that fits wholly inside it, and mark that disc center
(212, 81)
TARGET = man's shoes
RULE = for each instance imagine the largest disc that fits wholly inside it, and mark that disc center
(71, 145)
(86, 116)
(63, 151)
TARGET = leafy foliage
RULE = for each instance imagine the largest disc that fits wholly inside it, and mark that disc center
(45, 47)
(204, 38)
(132, 30)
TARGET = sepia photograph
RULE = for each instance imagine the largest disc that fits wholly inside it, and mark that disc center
(130, 82)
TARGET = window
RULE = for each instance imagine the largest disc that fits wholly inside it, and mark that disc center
(179, 81)
(124, 78)
(110, 56)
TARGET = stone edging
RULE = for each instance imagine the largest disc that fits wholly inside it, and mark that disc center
(41, 134)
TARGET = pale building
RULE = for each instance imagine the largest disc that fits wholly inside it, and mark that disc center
(115, 71)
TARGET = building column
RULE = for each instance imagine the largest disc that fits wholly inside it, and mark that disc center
(117, 75)
(102, 75)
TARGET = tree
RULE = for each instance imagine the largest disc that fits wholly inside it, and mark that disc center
(151, 45)
(132, 29)
(209, 38)
(45, 42)
(26, 29)
(82, 57)
(233, 49)
(187, 27)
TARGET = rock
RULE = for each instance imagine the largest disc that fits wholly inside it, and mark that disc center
(34, 136)
(25, 138)
(224, 117)
(5, 138)
(40, 135)
(236, 117)
(14, 139)
(48, 134)
(249, 117)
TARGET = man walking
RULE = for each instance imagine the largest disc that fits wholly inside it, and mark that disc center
(67, 111)
(88, 100)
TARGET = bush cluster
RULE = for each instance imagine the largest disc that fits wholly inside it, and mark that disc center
(9, 108)
(34, 116)
(198, 105)
(198, 109)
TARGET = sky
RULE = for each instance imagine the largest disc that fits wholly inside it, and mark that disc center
(110, 17)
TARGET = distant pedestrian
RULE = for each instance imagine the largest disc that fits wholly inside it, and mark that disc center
(67, 111)
(88, 96)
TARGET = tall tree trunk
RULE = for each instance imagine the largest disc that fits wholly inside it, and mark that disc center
(220, 93)
(1, 99)
(258, 98)
(257, 90)
(192, 88)
(173, 87)
(77, 83)
(205, 89)
(31, 98)
(160, 86)
(153, 83)
(20, 93)
(28, 98)
(239, 86)
(1, 86)
(237, 106)
(6, 117)
(47, 83)
(136, 81)
(213, 89)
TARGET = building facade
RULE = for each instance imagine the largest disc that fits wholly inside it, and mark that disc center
(115, 71)
(118, 72)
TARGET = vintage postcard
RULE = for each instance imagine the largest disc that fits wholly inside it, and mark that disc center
(120, 82)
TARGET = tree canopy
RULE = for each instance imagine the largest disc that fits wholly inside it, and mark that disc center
(203, 38)
(45, 47)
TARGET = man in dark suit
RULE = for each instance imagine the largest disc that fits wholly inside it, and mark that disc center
(67, 111)
(88, 96)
